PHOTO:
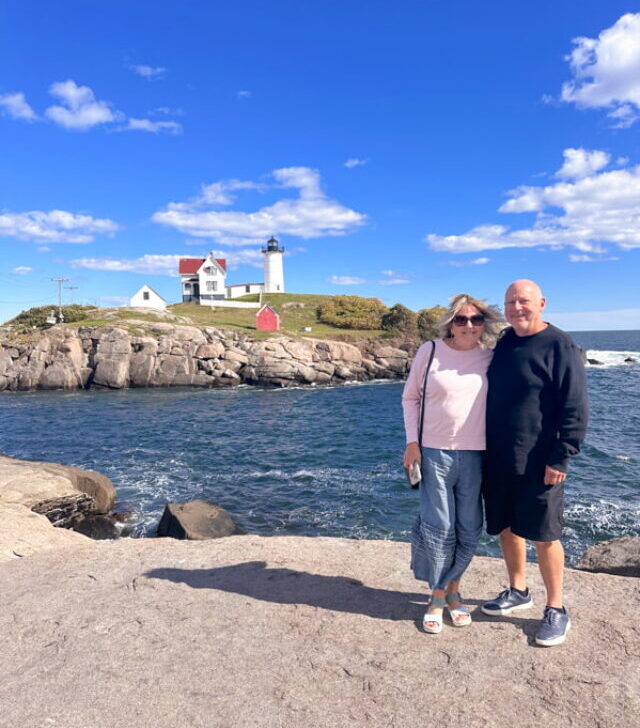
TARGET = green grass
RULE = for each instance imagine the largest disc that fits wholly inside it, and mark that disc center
(292, 320)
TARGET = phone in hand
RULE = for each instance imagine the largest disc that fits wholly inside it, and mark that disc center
(414, 475)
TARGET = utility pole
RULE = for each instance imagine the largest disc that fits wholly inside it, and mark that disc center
(60, 281)
(72, 289)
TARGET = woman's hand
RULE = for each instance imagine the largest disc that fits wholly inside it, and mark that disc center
(412, 455)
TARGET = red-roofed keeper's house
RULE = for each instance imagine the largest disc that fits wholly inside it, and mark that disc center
(267, 319)
(203, 279)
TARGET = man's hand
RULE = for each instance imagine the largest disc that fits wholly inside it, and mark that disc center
(412, 455)
(553, 476)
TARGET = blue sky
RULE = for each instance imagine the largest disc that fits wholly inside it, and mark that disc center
(406, 150)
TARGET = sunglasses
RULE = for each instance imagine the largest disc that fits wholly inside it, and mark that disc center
(476, 320)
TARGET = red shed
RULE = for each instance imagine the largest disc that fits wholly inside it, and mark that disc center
(267, 319)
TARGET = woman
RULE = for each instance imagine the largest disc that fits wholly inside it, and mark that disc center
(446, 532)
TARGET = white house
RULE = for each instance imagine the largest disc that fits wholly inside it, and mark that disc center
(203, 279)
(146, 297)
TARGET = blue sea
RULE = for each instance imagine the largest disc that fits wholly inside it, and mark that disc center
(312, 461)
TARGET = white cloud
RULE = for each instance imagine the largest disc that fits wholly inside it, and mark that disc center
(312, 214)
(216, 194)
(155, 127)
(237, 258)
(16, 106)
(394, 279)
(581, 258)
(606, 71)
(55, 226)
(166, 265)
(148, 72)
(601, 208)
(81, 110)
(162, 265)
(244, 94)
(21, 270)
(580, 163)
(43, 249)
(346, 280)
(355, 162)
(167, 111)
(621, 319)
(465, 263)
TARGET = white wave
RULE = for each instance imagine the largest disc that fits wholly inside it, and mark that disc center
(612, 358)
(617, 517)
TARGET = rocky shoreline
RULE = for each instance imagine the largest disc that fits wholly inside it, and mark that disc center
(159, 354)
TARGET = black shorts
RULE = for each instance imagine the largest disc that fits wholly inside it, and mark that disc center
(524, 504)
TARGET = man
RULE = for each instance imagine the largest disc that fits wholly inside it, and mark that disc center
(536, 420)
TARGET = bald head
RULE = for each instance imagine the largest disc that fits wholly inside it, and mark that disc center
(524, 285)
(523, 306)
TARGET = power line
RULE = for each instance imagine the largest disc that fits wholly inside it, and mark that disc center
(60, 281)
(71, 288)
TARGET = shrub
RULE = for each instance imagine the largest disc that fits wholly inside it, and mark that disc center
(401, 320)
(352, 312)
(38, 316)
(427, 320)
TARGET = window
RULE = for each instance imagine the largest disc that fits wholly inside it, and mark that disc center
(145, 295)
(247, 289)
(187, 287)
(212, 285)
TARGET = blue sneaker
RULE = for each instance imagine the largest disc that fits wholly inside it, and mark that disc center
(506, 602)
(554, 627)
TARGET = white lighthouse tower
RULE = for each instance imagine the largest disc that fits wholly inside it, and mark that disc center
(273, 269)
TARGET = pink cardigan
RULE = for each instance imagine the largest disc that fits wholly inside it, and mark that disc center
(454, 411)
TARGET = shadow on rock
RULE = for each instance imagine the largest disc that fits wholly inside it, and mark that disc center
(527, 625)
(287, 586)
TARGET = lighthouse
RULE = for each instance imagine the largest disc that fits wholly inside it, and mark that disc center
(273, 269)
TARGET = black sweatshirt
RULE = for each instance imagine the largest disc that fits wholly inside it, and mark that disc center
(537, 402)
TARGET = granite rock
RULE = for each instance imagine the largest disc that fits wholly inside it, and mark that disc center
(304, 632)
(196, 520)
(618, 556)
(170, 354)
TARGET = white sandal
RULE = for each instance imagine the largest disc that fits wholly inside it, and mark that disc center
(461, 616)
(434, 619)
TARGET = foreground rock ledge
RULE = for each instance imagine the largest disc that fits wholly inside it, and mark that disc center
(36, 495)
(269, 632)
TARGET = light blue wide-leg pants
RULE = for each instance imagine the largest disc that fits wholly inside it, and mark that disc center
(447, 530)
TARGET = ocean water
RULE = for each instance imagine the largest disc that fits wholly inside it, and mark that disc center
(312, 461)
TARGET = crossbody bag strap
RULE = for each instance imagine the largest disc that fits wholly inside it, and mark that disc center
(424, 393)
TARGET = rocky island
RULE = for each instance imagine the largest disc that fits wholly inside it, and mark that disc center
(161, 354)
